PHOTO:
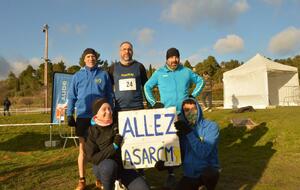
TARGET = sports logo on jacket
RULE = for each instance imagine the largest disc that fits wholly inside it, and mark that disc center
(98, 81)
(201, 139)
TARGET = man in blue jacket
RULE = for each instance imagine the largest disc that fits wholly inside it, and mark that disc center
(173, 81)
(199, 148)
(88, 84)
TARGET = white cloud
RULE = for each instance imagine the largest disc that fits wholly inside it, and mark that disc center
(21, 64)
(191, 12)
(285, 42)
(145, 35)
(230, 44)
(69, 28)
(79, 29)
(197, 56)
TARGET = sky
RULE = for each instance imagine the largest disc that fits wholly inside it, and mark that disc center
(225, 29)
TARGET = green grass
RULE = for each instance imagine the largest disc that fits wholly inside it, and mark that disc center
(267, 157)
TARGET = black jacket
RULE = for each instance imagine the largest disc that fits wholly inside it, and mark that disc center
(99, 144)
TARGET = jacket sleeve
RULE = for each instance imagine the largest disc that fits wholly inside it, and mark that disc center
(204, 147)
(93, 153)
(150, 84)
(199, 83)
(72, 96)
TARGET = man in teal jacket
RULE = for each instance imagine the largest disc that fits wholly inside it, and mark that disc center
(173, 81)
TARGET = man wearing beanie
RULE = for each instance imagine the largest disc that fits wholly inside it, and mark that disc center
(88, 84)
(173, 81)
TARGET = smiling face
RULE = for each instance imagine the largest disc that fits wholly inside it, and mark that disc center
(90, 60)
(173, 62)
(104, 113)
(126, 53)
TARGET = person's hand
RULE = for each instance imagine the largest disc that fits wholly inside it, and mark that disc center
(160, 165)
(158, 105)
(182, 127)
(71, 121)
(118, 140)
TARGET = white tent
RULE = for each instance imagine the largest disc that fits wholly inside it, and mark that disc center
(261, 82)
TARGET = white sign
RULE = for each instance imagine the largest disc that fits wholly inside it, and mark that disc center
(149, 136)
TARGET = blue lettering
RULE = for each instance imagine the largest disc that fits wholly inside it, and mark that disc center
(136, 155)
(156, 126)
(172, 116)
(129, 130)
(170, 151)
(136, 128)
(159, 155)
(145, 156)
(151, 153)
(146, 129)
(127, 158)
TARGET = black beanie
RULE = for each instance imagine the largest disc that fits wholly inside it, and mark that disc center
(172, 52)
(89, 51)
(98, 103)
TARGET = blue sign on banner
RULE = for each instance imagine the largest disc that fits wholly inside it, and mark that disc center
(60, 87)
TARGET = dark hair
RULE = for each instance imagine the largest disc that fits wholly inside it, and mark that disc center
(126, 42)
(188, 101)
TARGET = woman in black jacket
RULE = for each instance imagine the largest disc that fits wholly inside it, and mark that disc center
(103, 150)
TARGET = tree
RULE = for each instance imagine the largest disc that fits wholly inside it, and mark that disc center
(59, 67)
(150, 71)
(27, 101)
(104, 65)
(12, 82)
(73, 69)
(188, 64)
(210, 65)
(28, 81)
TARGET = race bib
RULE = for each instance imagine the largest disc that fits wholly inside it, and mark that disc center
(127, 84)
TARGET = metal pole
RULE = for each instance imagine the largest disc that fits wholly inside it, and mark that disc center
(45, 30)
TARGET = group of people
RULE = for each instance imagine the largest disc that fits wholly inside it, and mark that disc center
(98, 97)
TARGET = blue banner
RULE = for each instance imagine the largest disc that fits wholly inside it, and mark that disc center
(60, 87)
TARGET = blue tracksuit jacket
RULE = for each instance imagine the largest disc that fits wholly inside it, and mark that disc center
(87, 85)
(173, 86)
(199, 148)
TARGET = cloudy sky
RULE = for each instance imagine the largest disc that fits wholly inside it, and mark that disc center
(226, 29)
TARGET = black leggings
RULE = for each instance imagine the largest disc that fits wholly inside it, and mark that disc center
(209, 179)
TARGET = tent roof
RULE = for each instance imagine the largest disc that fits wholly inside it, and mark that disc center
(259, 62)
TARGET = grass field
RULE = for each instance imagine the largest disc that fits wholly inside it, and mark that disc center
(267, 157)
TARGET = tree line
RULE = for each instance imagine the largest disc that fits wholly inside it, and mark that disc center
(31, 81)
